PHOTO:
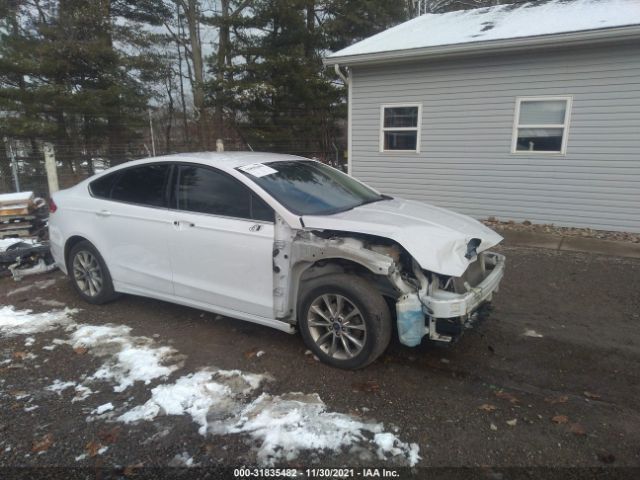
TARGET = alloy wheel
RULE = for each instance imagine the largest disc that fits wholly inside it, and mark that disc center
(87, 273)
(337, 326)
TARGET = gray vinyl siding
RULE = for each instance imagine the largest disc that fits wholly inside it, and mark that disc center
(465, 161)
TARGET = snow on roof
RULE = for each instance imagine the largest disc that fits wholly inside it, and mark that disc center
(544, 17)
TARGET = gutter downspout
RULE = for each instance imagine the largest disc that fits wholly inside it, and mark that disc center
(347, 79)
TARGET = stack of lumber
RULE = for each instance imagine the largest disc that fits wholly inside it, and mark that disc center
(22, 215)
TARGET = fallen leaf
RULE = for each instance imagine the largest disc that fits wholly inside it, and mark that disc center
(507, 396)
(19, 355)
(250, 353)
(109, 436)
(606, 457)
(592, 396)
(43, 444)
(577, 429)
(130, 470)
(369, 386)
(80, 350)
(554, 400)
(559, 419)
(487, 407)
(92, 448)
(512, 423)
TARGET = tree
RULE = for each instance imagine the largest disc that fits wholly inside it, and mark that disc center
(63, 79)
(268, 71)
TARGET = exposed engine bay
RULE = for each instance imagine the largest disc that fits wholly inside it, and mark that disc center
(426, 303)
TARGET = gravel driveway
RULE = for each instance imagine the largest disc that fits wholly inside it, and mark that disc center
(550, 379)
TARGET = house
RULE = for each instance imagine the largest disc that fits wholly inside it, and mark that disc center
(527, 111)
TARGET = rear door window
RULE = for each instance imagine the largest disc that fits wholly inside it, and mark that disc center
(101, 188)
(205, 190)
(143, 185)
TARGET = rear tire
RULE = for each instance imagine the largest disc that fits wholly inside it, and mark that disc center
(89, 274)
(344, 320)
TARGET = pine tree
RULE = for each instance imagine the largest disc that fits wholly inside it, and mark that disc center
(74, 72)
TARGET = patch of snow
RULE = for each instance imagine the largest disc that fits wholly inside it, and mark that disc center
(128, 358)
(499, 23)
(81, 457)
(182, 460)
(49, 347)
(59, 386)
(102, 450)
(48, 303)
(82, 393)
(103, 408)
(15, 197)
(31, 408)
(259, 354)
(25, 322)
(5, 362)
(205, 395)
(284, 425)
(281, 426)
(532, 333)
(29, 341)
(42, 284)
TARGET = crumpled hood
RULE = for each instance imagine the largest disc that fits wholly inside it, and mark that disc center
(436, 238)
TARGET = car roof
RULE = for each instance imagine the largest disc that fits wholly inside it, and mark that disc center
(225, 160)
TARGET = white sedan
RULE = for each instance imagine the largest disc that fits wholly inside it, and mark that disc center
(281, 241)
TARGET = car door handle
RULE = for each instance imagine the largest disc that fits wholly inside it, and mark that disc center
(255, 228)
(179, 223)
(103, 213)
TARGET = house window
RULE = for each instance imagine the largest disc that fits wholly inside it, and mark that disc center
(541, 124)
(400, 128)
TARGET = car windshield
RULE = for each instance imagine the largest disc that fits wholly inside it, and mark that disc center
(309, 187)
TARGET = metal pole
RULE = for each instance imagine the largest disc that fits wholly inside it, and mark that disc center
(14, 169)
(153, 143)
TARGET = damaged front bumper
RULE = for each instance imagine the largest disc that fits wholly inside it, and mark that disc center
(446, 304)
(430, 309)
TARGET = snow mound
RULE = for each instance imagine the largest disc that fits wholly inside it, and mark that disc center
(24, 322)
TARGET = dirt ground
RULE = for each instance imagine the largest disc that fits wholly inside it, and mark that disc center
(550, 379)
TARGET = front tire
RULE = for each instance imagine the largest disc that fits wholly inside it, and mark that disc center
(344, 321)
(89, 274)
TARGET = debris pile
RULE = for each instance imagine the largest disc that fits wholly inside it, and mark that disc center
(22, 215)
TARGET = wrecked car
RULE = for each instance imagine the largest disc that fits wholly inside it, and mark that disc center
(281, 241)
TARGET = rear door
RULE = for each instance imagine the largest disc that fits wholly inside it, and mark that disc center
(132, 226)
(222, 242)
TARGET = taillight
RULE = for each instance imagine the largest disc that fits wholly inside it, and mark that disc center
(52, 206)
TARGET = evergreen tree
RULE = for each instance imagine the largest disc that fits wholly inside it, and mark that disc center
(73, 73)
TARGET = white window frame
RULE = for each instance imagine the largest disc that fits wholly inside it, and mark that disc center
(564, 126)
(417, 128)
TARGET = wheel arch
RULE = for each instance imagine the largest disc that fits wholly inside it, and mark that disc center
(306, 272)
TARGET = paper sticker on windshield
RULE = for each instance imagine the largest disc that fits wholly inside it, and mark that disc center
(258, 170)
